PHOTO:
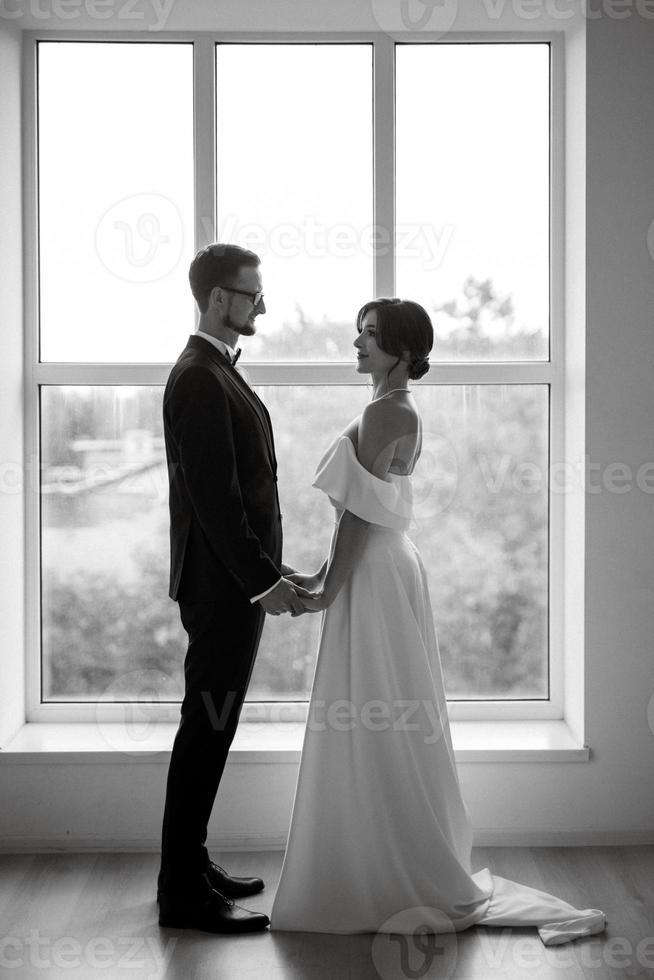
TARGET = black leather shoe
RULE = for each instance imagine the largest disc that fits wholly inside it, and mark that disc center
(212, 912)
(227, 885)
(232, 887)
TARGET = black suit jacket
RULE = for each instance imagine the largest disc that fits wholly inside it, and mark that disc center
(225, 523)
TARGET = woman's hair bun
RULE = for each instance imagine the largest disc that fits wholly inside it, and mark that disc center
(418, 367)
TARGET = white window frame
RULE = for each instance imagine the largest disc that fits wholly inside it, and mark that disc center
(551, 373)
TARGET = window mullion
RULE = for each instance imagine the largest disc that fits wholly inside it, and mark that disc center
(60, 373)
(204, 137)
(31, 397)
(384, 166)
(299, 373)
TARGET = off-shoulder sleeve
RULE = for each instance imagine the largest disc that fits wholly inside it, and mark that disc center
(350, 486)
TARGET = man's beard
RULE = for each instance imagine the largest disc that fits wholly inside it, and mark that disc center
(247, 329)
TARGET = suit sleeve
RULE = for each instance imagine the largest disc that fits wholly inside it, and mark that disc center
(201, 426)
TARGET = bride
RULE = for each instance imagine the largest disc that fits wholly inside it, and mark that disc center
(380, 837)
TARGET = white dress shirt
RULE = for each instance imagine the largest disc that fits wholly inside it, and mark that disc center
(226, 349)
(218, 344)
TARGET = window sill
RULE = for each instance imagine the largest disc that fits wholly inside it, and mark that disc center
(272, 742)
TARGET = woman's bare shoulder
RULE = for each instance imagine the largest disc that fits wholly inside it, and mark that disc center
(389, 417)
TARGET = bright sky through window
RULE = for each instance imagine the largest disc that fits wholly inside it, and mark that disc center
(294, 182)
(473, 173)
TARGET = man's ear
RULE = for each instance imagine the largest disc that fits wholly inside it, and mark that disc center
(215, 296)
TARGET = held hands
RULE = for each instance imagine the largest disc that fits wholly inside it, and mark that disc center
(285, 597)
(311, 587)
(315, 602)
(311, 583)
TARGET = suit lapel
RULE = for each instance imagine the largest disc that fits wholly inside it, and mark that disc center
(256, 403)
(235, 379)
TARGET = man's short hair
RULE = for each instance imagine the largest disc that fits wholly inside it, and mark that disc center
(217, 265)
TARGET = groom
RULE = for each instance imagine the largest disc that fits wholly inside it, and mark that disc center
(226, 573)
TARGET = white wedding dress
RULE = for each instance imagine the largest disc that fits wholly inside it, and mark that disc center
(380, 837)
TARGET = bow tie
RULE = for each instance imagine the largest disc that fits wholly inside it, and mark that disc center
(234, 359)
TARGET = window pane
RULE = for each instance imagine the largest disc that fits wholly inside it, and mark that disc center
(108, 624)
(481, 525)
(473, 195)
(294, 183)
(115, 200)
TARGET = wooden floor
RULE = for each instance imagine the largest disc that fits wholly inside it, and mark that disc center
(94, 916)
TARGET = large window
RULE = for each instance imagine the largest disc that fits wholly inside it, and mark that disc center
(353, 169)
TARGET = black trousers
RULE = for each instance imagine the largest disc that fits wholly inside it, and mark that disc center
(223, 638)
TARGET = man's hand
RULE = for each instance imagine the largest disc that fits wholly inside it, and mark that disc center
(285, 597)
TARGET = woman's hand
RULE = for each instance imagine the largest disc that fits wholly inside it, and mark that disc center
(309, 582)
(316, 602)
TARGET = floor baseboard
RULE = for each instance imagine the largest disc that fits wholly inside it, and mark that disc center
(530, 837)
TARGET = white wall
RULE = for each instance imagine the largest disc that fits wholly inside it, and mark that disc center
(620, 415)
(607, 799)
(156, 16)
(12, 706)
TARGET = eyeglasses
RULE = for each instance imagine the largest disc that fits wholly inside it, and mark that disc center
(255, 298)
